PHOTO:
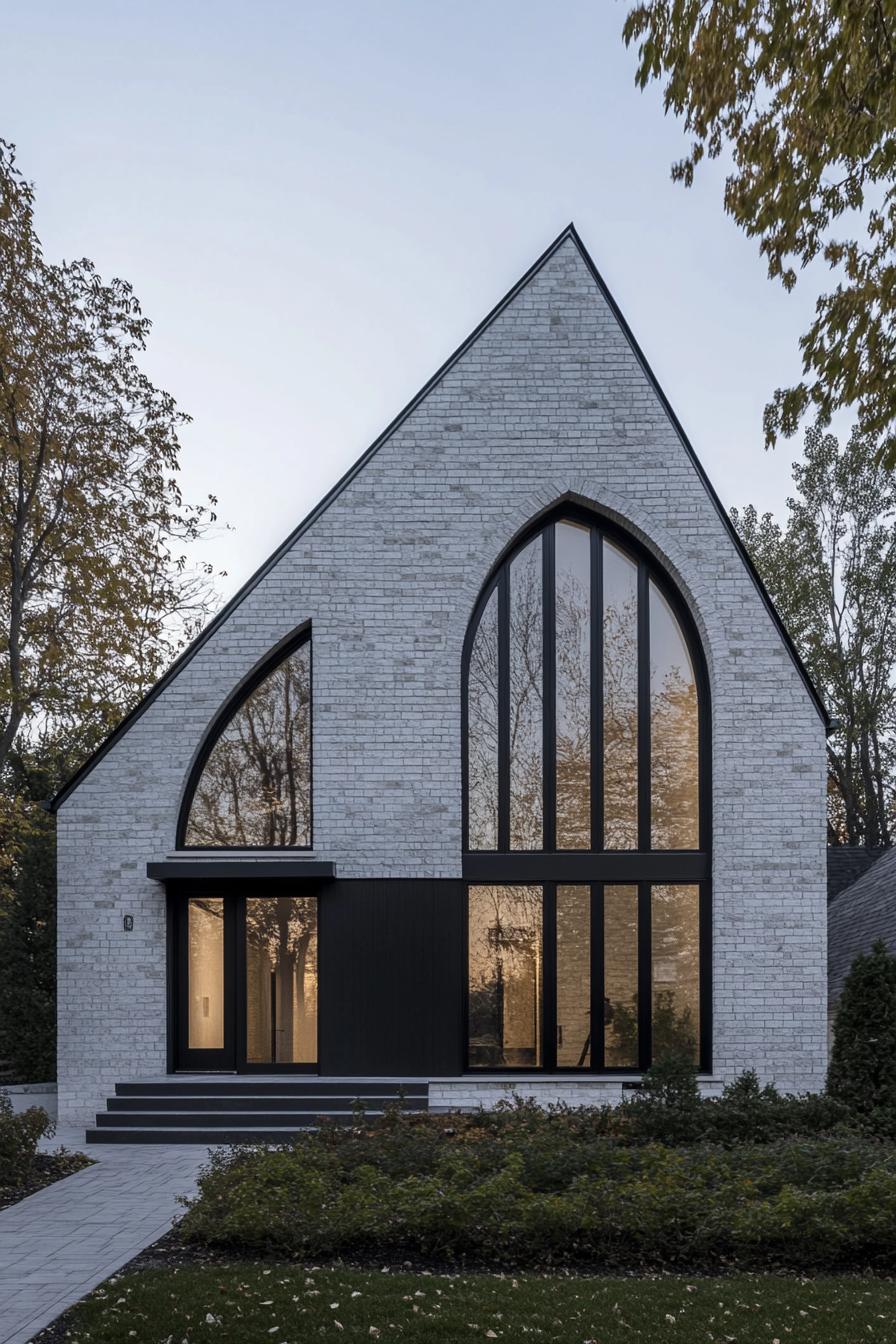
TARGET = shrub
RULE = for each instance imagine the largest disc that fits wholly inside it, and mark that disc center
(863, 1059)
(805, 1204)
(19, 1135)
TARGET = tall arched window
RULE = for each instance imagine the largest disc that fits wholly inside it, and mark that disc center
(586, 778)
(251, 784)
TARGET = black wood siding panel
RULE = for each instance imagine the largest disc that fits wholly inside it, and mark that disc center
(390, 997)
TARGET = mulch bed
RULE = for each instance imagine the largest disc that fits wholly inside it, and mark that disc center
(48, 1167)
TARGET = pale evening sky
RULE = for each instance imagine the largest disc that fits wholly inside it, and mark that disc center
(317, 201)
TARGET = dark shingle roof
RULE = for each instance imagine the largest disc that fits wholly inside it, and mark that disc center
(847, 863)
(859, 916)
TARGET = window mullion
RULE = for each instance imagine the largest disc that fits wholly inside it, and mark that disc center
(549, 976)
(504, 709)
(645, 977)
(598, 977)
(549, 689)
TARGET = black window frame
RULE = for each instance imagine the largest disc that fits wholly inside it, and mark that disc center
(550, 867)
(548, 1042)
(231, 706)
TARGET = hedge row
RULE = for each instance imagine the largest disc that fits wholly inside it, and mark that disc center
(801, 1203)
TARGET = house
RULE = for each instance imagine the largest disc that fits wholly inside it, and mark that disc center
(501, 771)
(857, 917)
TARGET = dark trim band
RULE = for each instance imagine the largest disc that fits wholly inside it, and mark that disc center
(248, 869)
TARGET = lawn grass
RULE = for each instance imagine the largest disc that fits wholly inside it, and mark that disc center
(290, 1304)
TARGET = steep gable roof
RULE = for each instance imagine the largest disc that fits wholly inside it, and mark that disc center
(569, 234)
(859, 916)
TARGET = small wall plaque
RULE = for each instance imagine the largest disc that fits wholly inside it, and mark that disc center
(128, 923)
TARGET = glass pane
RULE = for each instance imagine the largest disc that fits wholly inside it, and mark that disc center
(674, 763)
(482, 731)
(573, 617)
(676, 971)
(574, 977)
(620, 629)
(281, 980)
(505, 977)
(205, 958)
(526, 805)
(255, 788)
(620, 977)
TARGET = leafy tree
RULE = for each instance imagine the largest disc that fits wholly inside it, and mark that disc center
(28, 911)
(802, 94)
(95, 592)
(862, 1071)
(831, 570)
(95, 595)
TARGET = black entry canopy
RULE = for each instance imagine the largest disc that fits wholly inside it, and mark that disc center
(168, 870)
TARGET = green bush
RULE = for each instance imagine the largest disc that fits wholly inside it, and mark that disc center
(863, 1058)
(797, 1203)
(666, 1179)
(19, 1136)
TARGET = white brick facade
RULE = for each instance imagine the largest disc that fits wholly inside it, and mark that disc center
(549, 402)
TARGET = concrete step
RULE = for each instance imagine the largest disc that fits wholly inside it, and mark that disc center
(211, 1136)
(245, 1108)
(211, 1119)
(229, 1084)
(250, 1101)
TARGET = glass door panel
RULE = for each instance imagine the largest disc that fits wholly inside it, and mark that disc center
(205, 971)
(281, 980)
(205, 1016)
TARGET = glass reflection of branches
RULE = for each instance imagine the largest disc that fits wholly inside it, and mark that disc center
(281, 980)
(255, 787)
(526, 683)
(482, 731)
(620, 707)
(582, 621)
(674, 735)
(573, 677)
(505, 970)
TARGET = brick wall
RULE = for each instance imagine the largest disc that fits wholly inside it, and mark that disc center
(549, 402)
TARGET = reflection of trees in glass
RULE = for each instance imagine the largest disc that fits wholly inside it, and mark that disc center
(281, 968)
(573, 905)
(573, 679)
(620, 708)
(255, 787)
(505, 976)
(526, 682)
(482, 731)
(673, 1032)
(620, 976)
(675, 947)
(674, 764)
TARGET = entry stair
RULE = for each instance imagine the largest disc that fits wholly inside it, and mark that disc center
(243, 1108)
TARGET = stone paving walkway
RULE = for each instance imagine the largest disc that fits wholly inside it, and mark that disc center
(57, 1245)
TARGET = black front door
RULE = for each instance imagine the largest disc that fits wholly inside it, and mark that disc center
(246, 982)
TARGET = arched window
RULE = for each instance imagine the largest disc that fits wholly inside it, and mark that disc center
(586, 777)
(251, 784)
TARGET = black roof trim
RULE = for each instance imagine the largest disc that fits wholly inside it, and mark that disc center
(167, 870)
(568, 234)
